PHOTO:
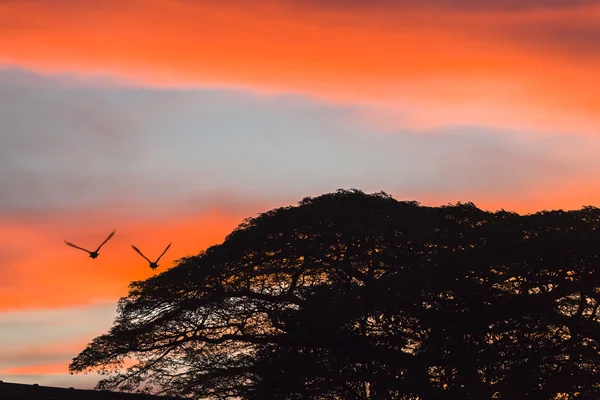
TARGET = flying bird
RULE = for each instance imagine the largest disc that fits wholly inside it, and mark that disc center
(154, 264)
(93, 254)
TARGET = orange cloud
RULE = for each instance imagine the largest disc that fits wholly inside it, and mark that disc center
(40, 356)
(480, 59)
(41, 369)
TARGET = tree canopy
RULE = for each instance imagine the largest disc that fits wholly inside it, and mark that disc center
(358, 296)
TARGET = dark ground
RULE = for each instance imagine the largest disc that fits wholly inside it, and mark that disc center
(17, 391)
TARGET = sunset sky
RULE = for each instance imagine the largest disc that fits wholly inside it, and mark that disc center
(173, 120)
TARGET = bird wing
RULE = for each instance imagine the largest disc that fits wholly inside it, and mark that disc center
(163, 253)
(77, 247)
(140, 253)
(106, 240)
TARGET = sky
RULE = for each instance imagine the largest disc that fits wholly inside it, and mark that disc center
(173, 120)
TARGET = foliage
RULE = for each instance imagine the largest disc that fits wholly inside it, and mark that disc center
(359, 296)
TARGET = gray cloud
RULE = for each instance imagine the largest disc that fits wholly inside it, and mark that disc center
(83, 147)
(19, 357)
(36, 328)
(31, 338)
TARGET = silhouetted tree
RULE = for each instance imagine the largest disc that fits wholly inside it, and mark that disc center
(356, 296)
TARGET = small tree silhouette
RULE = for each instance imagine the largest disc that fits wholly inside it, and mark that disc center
(359, 296)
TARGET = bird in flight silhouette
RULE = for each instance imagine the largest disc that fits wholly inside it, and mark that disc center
(154, 264)
(93, 254)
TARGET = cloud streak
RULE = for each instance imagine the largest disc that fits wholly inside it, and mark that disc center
(94, 147)
(159, 149)
(36, 346)
(539, 55)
